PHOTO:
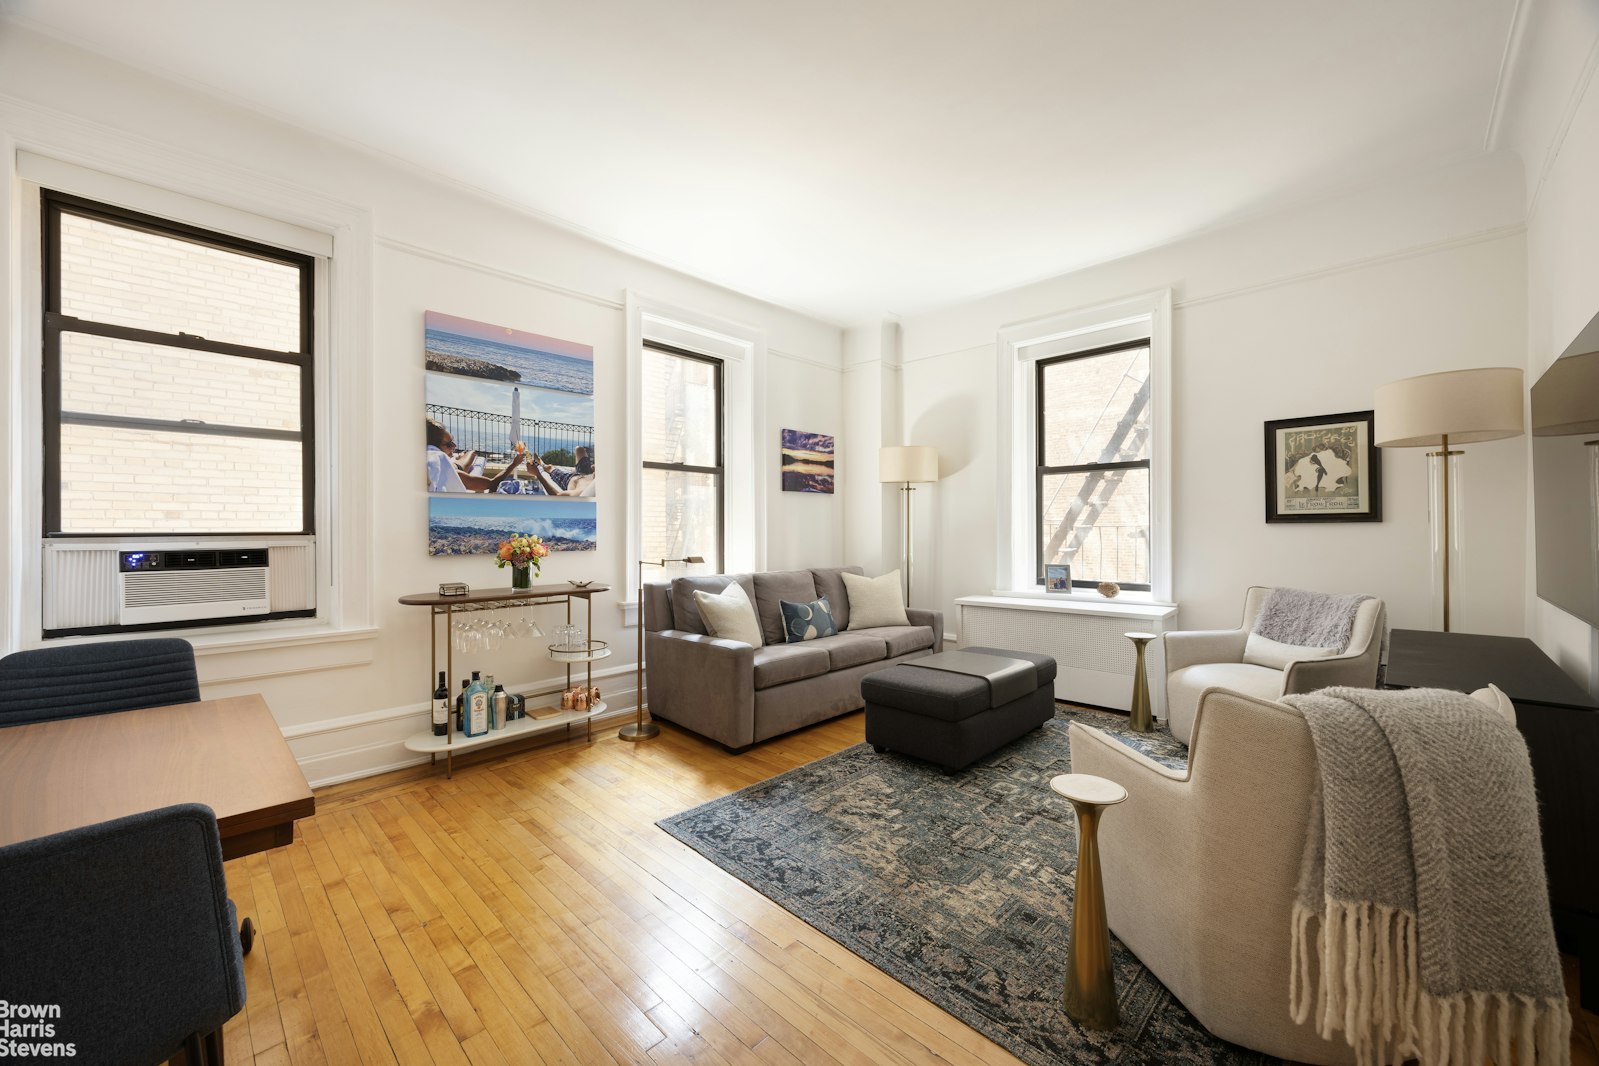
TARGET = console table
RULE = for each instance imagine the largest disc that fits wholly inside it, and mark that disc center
(447, 607)
(1560, 723)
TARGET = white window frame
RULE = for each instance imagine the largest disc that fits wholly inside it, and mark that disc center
(42, 147)
(1018, 349)
(742, 350)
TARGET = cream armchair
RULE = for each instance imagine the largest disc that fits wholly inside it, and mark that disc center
(1200, 866)
(1215, 658)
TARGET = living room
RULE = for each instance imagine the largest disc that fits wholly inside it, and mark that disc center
(879, 229)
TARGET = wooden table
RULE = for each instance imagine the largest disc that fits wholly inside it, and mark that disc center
(228, 754)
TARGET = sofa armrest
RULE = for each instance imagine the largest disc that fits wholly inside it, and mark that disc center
(702, 683)
(932, 619)
(1353, 669)
(1196, 646)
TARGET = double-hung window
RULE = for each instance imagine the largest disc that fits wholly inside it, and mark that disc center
(177, 378)
(683, 478)
(1093, 486)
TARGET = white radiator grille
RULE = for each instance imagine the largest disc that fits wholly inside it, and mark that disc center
(293, 577)
(171, 587)
(1094, 660)
(77, 593)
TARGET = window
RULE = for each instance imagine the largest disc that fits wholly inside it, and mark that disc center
(177, 378)
(1093, 489)
(682, 492)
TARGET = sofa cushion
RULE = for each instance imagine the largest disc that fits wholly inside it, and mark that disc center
(796, 586)
(1184, 687)
(729, 615)
(901, 640)
(875, 601)
(830, 583)
(778, 664)
(850, 649)
(807, 621)
(686, 613)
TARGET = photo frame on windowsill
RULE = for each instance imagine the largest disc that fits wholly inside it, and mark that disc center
(1323, 469)
(1057, 578)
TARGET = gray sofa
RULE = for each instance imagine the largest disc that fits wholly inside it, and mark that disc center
(739, 695)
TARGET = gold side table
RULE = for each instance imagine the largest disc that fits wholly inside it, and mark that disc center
(1143, 718)
(1090, 983)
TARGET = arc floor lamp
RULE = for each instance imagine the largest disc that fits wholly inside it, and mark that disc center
(1440, 410)
(903, 465)
(640, 729)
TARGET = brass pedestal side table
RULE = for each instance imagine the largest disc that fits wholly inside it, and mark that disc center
(1143, 718)
(1090, 983)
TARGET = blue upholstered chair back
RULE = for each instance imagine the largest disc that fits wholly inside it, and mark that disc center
(82, 679)
(127, 926)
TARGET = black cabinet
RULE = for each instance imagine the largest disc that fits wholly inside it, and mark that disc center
(1560, 723)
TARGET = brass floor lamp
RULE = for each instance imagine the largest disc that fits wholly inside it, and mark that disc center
(640, 729)
(1455, 407)
(904, 464)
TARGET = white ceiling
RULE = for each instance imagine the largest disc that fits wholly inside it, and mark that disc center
(852, 158)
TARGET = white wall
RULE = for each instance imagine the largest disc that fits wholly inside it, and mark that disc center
(1552, 120)
(1298, 314)
(442, 248)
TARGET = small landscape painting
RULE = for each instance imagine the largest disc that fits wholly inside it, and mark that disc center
(807, 461)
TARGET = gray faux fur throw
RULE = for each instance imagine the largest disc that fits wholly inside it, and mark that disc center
(1421, 926)
(1308, 619)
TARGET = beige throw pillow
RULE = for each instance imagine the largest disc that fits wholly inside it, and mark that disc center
(730, 615)
(874, 601)
(1275, 655)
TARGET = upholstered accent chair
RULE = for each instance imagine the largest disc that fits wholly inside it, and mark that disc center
(1200, 866)
(127, 927)
(1197, 660)
(75, 680)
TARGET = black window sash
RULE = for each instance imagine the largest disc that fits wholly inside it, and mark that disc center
(53, 206)
(1043, 471)
(718, 470)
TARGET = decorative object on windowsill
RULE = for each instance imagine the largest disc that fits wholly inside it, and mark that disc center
(807, 461)
(454, 588)
(524, 554)
(1323, 469)
(640, 729)
(1058, 578)
(903, 464)
(1437, 410)
(1109, 589)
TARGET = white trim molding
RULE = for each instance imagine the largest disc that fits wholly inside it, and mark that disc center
(742, 349)
(1017, 349)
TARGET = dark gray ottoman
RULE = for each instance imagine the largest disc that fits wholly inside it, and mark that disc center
(947, 718)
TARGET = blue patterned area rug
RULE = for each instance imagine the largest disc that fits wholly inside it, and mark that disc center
(959, 887)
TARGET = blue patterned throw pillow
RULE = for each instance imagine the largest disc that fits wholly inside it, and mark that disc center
(807, 621)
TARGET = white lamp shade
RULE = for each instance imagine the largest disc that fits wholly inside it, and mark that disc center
(910, 462)
(1466, 405)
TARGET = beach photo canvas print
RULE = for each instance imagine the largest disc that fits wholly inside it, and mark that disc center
(499, 353)
(807, 461)
(487, 436)
(475, 525)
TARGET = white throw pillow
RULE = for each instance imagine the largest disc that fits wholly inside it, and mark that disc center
(730, 615)
(874, 601)
(1275, 655)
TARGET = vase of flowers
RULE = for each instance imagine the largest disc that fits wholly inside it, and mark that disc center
(522, 553)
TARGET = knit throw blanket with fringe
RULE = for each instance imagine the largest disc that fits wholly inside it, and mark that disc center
(1421, 928)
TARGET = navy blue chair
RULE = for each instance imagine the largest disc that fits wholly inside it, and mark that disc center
(83, 679)
(126, 926)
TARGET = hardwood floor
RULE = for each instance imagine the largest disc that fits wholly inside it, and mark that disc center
(530, 912)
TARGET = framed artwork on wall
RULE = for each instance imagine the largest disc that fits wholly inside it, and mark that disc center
(807, 461)
(1323, 469)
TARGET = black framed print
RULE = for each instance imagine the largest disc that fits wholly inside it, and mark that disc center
(1323, 469)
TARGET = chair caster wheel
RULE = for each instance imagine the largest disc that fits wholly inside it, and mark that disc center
(879, 749)
(247, 935)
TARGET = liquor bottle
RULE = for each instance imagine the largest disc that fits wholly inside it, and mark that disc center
(502, 707)
(477, 707)
(495, 721)
(441, 707)
(460, 707)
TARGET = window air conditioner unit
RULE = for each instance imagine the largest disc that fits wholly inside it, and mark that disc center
(192, 585)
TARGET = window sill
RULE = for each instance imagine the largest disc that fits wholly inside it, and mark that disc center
(1074, 604)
